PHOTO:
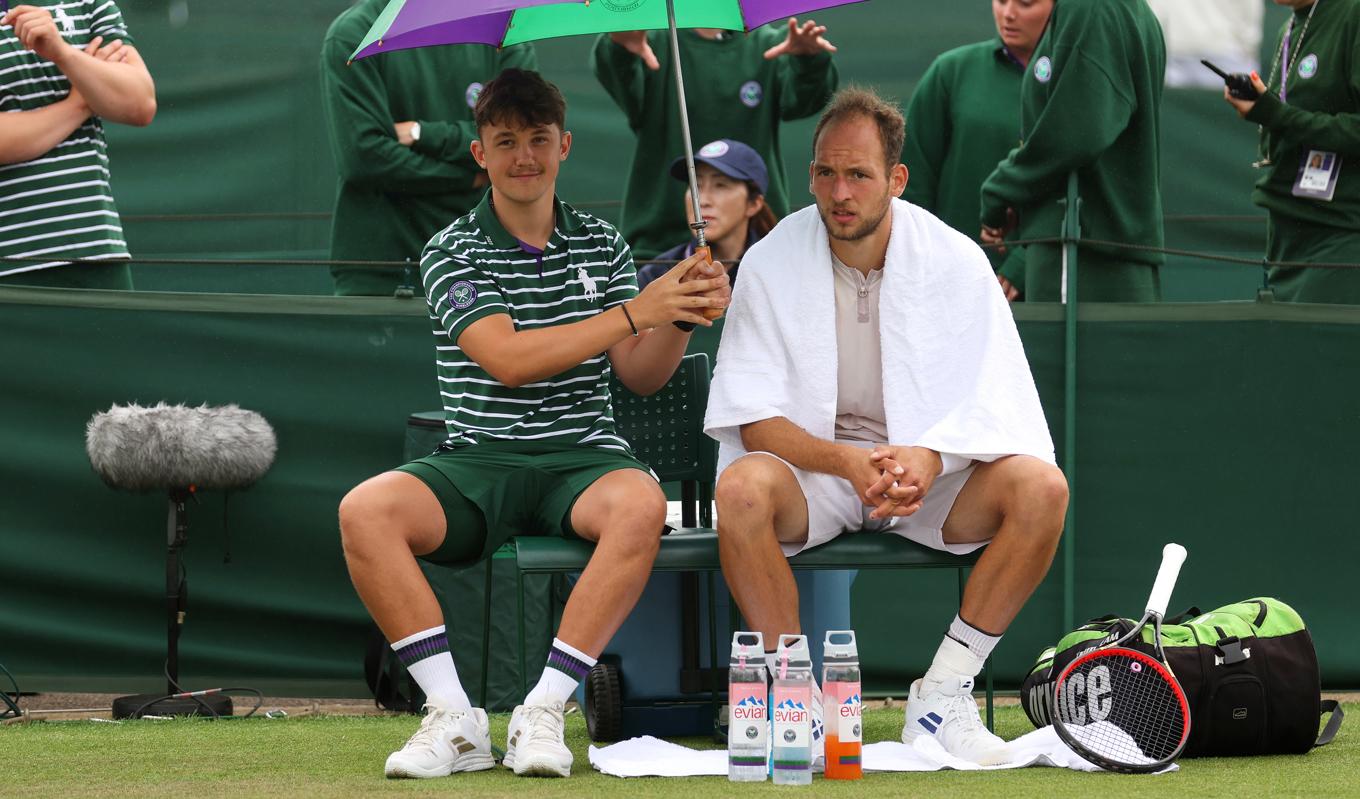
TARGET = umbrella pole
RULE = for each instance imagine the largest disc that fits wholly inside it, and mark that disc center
(699, 224)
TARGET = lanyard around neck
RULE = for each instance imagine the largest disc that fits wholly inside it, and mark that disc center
(1282, 58)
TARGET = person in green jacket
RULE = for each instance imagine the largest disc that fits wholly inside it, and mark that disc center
(741, 87)
(399, 126)
(1090, 103)
(965, 118)
(1309, 114)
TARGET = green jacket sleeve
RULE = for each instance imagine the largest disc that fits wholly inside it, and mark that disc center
(622, 75)
(362, 137)
(927, 142)
(1087, 109)
(448, 141)
(1314, 129)
(806, 83)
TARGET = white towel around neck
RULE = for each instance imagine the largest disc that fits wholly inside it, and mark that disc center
(955, 376)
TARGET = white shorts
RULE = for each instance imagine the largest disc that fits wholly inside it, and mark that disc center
(834, 508)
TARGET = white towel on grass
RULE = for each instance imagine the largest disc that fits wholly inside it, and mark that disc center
(955, 377)
(652, 757)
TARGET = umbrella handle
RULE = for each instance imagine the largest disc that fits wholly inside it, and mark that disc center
(707, 252)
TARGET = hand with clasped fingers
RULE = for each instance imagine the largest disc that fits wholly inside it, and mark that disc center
(893, 480)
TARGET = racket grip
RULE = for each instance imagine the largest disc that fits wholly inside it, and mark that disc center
(1173, 555)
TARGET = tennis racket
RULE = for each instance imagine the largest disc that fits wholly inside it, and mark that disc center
(1120, 708)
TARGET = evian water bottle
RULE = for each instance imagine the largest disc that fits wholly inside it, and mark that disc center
(746, 710)
(841, 706)
(792, 703)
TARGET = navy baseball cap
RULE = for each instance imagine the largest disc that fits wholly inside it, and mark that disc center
(730, 157)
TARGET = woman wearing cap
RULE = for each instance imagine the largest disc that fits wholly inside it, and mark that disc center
(732, 185)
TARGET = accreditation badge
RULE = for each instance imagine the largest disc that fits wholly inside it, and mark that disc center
(1318, 174)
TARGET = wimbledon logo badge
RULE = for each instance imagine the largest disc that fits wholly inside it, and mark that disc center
(1308, 66)
(623, 6)
(461, 295)
(751, 93)
(1043, 70)
(714, 149)
(474, 90)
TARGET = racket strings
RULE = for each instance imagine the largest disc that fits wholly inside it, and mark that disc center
(1122, 708)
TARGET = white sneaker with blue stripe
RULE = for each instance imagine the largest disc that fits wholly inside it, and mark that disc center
(949, 714)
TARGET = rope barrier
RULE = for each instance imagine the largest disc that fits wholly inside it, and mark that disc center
(1082, 244)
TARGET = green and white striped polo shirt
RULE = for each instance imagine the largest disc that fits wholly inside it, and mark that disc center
(58, 205)
(473, 269)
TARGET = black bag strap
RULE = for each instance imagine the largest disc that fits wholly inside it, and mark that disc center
(1333, 724)
(1189, 613)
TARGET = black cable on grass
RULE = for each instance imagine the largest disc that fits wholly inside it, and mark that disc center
(194, 695)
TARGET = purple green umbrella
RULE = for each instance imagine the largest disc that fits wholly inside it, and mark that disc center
(405, 24)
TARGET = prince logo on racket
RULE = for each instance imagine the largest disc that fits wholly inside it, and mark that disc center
(1089, 694)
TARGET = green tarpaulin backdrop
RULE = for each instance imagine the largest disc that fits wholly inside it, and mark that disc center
(1230, 428)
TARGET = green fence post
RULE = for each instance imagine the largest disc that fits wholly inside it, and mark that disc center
(1071, 233)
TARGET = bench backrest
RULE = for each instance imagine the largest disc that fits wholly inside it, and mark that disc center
(666, 431)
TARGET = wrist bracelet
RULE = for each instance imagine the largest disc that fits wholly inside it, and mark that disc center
(629, 317)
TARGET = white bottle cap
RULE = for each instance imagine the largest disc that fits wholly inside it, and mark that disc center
(795, 648)
(749, 645)
(840, 645)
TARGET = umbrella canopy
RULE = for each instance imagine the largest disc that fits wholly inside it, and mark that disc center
(422, 23)
(405, 24)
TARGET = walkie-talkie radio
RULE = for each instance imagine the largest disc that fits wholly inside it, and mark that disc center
(1239, 83)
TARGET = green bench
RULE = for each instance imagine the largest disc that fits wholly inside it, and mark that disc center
(666, 431)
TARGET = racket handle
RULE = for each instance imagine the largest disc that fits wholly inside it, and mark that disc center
(1173, 555)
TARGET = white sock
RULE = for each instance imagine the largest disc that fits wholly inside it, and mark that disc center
(426, 656)
(770, 662)
(567, 666)
(962, 654)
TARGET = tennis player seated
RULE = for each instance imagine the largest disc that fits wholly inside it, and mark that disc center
(533, 304)
(871, 377)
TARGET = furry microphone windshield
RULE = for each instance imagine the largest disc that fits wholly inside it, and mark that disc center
(176, 446)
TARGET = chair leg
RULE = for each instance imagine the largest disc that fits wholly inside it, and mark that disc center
(486, 632)
(519, 615)
(991, 720)
(714, 684)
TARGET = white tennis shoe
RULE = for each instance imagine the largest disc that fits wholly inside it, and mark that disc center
(535, 745)
(949, 714)
(447, 741)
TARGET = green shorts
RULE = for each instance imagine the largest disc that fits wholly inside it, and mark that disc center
(492, 492)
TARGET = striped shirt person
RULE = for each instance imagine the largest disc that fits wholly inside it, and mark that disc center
(55, 200)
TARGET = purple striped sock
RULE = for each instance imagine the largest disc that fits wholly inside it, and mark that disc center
(568, 664)
(417, 651)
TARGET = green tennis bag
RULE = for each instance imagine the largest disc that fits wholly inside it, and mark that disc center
(1249, 671)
